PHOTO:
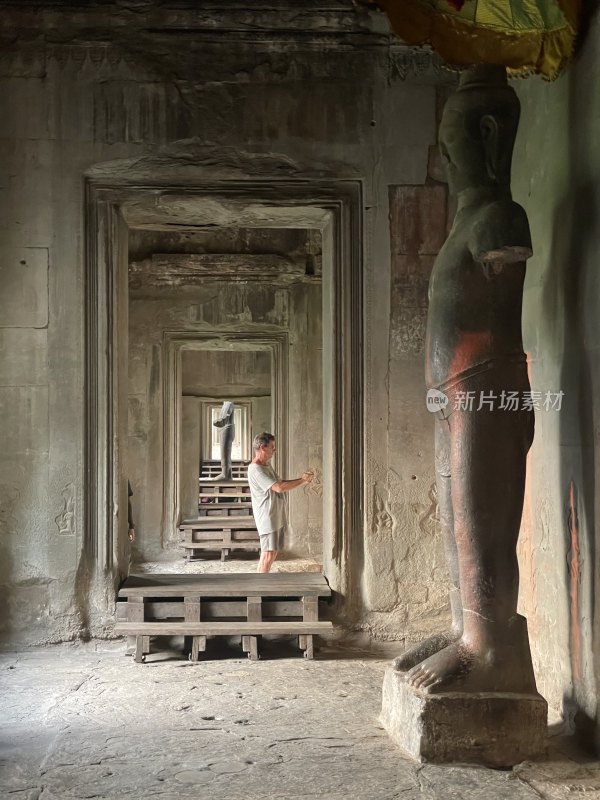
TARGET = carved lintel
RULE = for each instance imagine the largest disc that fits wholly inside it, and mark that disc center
(175, 269)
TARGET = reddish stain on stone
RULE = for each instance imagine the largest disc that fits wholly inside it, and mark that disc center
(471, 348)
(417, 219)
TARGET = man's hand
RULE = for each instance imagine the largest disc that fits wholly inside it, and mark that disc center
(307, 477)
(132, 534)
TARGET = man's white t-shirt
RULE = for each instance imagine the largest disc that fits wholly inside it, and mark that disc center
(269, 507)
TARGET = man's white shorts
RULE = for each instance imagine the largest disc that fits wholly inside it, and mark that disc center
(273, 541)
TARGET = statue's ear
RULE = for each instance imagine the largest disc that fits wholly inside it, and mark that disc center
(489, 136)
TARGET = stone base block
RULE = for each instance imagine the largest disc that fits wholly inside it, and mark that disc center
(495, 729)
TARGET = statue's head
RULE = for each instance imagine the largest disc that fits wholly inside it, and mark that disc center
(478, 129)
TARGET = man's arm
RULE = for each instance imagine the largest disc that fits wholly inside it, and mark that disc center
(287, 486)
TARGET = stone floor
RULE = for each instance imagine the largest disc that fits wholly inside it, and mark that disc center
(211, 562)
(87, 722)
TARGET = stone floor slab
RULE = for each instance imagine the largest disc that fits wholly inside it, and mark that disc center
(82, 724)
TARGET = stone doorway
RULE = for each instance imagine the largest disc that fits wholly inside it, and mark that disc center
(115, 210)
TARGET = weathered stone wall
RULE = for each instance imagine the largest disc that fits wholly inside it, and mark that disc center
(556, 177)
(323, 92)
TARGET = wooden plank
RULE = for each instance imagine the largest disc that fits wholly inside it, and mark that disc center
(234, 483)
(206, 523)
(299, 579)
(232, 585)
(224, 494)
(227, 505)
(219, 544)
(221, 628)
(222, 504)
(213, 610)
(213, 536)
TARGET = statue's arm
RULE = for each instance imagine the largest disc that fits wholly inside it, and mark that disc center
(501, 234)
(220, 423)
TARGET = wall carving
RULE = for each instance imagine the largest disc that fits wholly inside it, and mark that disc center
(65, 521)
(9, 497)
(383, 521)
(429, 514)
(315, 488)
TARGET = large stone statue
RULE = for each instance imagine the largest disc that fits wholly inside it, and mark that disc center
(226, 437)
(474, 355)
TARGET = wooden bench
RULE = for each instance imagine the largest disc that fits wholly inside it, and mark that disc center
(286, 602)
(219, 533)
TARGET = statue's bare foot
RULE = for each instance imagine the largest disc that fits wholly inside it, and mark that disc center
(428, 647)
(443, 669)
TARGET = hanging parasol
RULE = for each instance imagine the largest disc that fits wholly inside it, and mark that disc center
(526, 36)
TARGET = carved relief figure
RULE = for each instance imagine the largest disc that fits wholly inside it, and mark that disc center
(474, 345)
(226, 436)
(65, 521)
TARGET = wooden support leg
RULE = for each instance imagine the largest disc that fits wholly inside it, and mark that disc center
(226, 543)
(135, 613)
(250, 646)
(309, 649)
(310, 613)
(253, 653)
(198, 646)
(139, 648)
(254, 614)
(191, 613)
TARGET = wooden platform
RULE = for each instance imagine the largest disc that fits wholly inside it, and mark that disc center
(219, 533)
(216, 507)
(245, 604)
(209, 469)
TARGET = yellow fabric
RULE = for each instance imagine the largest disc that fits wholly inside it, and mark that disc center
(526, 36)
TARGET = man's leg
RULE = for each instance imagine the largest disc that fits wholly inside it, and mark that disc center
(266, 560)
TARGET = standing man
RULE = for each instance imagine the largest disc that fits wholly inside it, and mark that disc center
(268, 501)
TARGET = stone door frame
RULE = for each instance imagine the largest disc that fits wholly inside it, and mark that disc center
(113, 200)
(174, 343)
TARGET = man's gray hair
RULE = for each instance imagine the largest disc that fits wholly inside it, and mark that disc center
(262, 440)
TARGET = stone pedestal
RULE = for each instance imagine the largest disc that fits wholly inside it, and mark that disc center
(493, 728)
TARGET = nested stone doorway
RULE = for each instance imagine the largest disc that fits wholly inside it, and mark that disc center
(117, 214)
(184, 324)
